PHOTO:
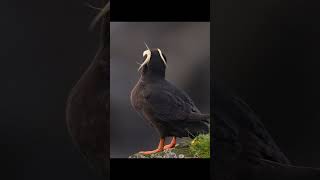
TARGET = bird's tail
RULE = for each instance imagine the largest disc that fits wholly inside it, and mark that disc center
(199, 116)
(198, 123)
(194, 128)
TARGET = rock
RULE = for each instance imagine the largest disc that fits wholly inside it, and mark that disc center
(198, 147)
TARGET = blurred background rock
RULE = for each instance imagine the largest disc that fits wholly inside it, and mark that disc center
(187, 48)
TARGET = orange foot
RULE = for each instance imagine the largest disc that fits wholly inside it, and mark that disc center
(159, 149)
(171, 145)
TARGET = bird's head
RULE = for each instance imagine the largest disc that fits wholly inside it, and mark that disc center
(154, 63)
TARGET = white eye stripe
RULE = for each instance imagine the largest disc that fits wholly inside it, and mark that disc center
(148, 53)
(164, 61)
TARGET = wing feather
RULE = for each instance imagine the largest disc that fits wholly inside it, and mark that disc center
(168, 106)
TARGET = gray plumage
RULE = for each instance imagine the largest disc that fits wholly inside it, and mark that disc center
(170, 110)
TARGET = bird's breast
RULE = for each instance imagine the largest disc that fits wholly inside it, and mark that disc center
(136, 96)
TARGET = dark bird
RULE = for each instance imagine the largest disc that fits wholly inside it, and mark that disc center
(169, 109)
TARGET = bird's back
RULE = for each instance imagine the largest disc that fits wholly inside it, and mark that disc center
(170, 109)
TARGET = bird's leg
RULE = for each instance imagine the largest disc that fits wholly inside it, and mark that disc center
(159, 149)
(172, 144)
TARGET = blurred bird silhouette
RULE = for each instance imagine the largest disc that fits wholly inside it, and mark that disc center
(87, 111)
(243, 148)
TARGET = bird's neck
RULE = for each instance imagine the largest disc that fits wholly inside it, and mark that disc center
(152, 77)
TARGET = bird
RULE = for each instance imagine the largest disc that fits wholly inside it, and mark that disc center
(168, 109)
(87, 106)
(243, 147)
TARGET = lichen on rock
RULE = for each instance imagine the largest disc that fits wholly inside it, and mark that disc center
(199, 147)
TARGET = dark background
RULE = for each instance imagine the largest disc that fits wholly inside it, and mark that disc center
(45, 47)
(268, 53)
(186, 46)
(266, 50)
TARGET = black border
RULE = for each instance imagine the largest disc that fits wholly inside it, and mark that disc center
(160, 168)
(164, 10)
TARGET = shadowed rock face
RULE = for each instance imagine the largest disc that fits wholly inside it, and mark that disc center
(88, 108)
(243, 149)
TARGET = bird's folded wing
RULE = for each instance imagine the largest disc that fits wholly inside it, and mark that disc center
(166, 106)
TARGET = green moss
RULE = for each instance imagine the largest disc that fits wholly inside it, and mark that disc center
(199, 147)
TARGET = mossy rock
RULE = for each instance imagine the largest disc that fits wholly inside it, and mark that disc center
(199, 147)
